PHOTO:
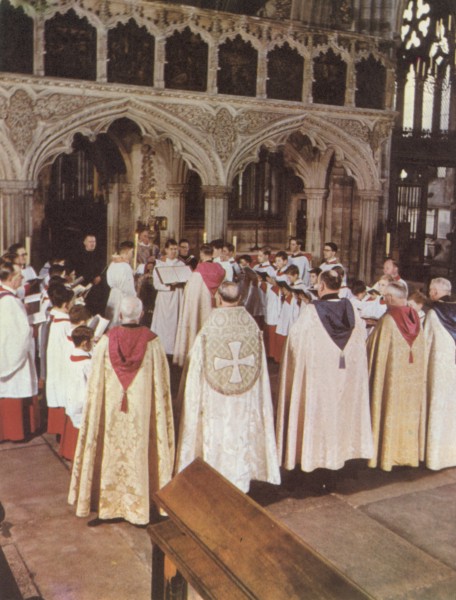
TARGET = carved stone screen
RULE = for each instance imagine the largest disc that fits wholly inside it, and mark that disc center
(237, 72)
(131, 55)
(71, 47)
(186, 62)
(16, 40)
(262, 189)
(285, 74)
(329, 79)
(370, 83)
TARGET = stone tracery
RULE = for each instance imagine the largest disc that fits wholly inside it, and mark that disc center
(215, 135)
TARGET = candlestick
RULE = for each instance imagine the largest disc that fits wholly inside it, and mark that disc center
(291, 231)
(135, 253)
(388, 243)
(204, 237)
(28, 249)
(234, 243)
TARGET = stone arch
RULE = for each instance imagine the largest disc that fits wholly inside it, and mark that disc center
(352, 153)
(91, 17)
(300, 48)
(9, 162)
(203, 33)
(187, 61)
(231, 35)
(156, 122)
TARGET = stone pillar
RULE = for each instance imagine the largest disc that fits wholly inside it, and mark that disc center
(215, 211)
(159, 63)
(16, 220)
(102, 55)
(307, 79)
(368, 219)
(316, 208)
(350, 79)
(212, 62)
(38, 46)
(262, 73)
(174, 205)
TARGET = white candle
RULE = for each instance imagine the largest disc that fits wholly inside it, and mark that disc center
(235, 243)
(28, 249)
(291, 232)
(135, 254)
(204, 237)
(388, 243)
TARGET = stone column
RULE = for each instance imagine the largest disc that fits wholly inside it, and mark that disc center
(102, 55)
(38, 46)
(215, 211)
(307, 79)
(316, 209)
(16, 216)
(262, 73)
(212, 63)
(174, 205)
(159, 62)
(350, 79)
(368, 219)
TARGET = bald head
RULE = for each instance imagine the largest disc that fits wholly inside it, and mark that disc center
(131, 309)
(229, 293)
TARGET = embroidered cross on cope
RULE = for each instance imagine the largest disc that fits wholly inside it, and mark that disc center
(235, 362)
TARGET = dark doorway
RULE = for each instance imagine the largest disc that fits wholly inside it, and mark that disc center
(78, 194)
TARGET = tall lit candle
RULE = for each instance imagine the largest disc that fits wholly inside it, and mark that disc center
(28, 249)
(388, 244)
(135, 253)
(2, 248)
(235, 243)
(204, 237)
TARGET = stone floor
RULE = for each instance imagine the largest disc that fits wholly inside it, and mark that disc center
(392, 533)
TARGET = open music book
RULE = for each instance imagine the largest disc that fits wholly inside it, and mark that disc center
(174, 275)
(99, 325)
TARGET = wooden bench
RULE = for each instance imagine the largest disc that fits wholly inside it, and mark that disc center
(227, 547)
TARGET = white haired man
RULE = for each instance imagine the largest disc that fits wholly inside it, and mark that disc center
(440, 337)
(227, 416)
(126, 442)
(397, 383)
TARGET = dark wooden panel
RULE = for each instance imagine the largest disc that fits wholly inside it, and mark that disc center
(267, 560)
(197, 567)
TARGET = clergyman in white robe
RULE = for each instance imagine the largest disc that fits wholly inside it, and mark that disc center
(439, 332)
(227, 416)
(323, 412)
(167, 306)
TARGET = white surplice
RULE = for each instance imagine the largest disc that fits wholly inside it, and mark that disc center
(121, 281)
(59, 348)
(80, 365)
(167, 307)
(17, 362)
